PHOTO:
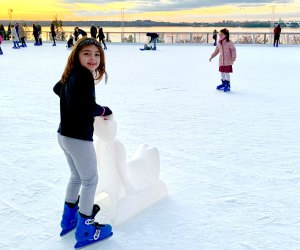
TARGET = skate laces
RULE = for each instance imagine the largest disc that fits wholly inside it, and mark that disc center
(89, 221)
(97, 234)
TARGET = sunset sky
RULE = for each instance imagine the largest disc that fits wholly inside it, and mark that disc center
(156, 10)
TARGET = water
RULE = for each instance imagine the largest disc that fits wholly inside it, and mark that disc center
(176, 29)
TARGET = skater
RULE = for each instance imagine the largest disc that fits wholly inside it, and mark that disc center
(277, 32)
(22, 35)
(101, 37)
(153, 39)
(1, 39)
(227, 57)
(78, 107)
(78, 32)
(39, 29)
(53, 34)
(93, 31)
(35, 34)
(2, 32)
(215, 35)
(15, 37)
(70, 42)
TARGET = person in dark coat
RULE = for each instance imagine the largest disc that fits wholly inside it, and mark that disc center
(35, 34)
(70, 42)
(78, 32)
(277, 32)
(153, 39)
(215, 35)
(93, 31)
(39, 28)
(53, 34)
(101, 37)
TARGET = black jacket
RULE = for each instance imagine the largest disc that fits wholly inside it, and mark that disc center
(93, 31)
(35, 30)
(78, 106)
(101, 35)
(152, 35)
(79, 32)
(53, 33)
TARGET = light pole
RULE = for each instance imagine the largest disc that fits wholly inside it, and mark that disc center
(10, 11)
(122, 25)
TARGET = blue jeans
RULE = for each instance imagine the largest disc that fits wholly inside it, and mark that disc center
(154, 42)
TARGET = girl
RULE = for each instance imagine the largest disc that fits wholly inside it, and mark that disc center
(78, 108)
(227, 57)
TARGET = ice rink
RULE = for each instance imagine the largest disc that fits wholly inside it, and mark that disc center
(231, 161)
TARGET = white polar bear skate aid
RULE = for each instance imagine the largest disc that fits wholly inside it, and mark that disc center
(130, 186)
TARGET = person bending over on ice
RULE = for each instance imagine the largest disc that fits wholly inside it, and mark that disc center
(227, 57)
(78, 107)
(153, 39)
(78, 32)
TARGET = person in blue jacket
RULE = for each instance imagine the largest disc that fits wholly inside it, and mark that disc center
(78, 109)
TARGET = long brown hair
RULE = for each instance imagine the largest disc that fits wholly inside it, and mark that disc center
(226, 33)
(73, 60)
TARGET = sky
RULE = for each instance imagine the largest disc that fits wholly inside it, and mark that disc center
(156, 10)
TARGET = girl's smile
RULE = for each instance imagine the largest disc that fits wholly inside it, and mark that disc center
(89, 57)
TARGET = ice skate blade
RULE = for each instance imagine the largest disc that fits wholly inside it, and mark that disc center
(66, 231)
(80, 245)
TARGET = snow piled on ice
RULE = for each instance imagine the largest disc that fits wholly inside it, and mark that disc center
(230, 160)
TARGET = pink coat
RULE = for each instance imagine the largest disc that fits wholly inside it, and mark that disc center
(1, 39)
(227, 53)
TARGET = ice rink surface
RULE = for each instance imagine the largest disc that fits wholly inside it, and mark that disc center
(231, 161)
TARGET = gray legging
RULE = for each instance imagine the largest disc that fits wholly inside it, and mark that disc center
(81, 157)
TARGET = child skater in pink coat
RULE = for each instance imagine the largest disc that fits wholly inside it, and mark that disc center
(227, 57)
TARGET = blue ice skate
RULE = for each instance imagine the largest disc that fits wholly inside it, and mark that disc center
(89, 232)
(227, 86)
(69, 218)
(222, 86)
(1, 52)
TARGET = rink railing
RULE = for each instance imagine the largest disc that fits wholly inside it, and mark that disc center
(185, 37)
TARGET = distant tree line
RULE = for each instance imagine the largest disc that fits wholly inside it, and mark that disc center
(149, 23)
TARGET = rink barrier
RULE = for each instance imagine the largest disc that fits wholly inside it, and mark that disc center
(184, 37)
